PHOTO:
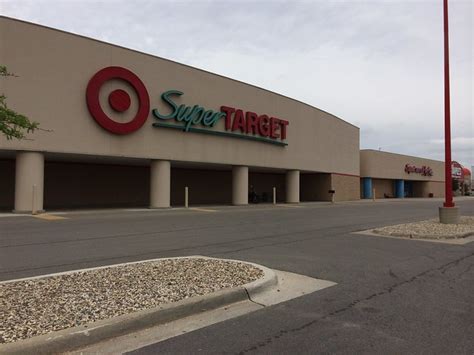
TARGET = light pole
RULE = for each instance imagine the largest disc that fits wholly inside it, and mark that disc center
(448, 213)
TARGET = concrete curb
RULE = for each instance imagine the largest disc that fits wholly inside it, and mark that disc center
(81, 336)
(423, 236)
(268, 281)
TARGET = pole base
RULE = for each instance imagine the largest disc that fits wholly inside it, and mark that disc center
(449, 215)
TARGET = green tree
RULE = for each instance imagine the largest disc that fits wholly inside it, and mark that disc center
(13, 124)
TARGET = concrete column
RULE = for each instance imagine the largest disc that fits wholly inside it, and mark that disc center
(240, 185)
(29, 182)
(160, 182)
(293, 186)
(367, 186)
(399, 188)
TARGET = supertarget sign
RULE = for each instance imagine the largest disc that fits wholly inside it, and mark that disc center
(188, 118)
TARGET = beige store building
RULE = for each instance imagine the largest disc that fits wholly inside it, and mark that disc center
(123, 128)
(395, 175)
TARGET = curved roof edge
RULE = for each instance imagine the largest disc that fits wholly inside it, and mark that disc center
(175, 62)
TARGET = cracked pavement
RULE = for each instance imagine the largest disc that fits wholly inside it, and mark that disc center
(393, 296)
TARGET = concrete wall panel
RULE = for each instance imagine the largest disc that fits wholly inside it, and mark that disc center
(383, 187)
(383, 165)
(347, 187)
(315, 187)
(436, 188)
(7, 184)
(263, 184)
(54, 69)
(69, 185)
(204, 186)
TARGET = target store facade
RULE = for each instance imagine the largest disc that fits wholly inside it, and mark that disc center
(123, 128)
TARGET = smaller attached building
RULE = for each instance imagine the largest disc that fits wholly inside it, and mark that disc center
(391, 175)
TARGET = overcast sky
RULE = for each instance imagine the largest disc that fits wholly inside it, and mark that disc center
(376, 64)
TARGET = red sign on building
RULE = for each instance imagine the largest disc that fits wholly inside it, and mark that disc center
(424, 170)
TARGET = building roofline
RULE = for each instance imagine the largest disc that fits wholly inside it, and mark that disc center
(172, 61)
(404, 155)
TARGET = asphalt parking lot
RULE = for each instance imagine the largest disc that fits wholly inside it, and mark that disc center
(392, 296)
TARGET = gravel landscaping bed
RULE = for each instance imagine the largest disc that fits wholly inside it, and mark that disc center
(38, 306)
(430, 229)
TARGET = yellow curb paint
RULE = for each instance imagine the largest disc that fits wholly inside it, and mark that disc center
(49, 217)
(202, 209)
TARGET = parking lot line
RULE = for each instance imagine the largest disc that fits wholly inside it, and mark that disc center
(202, 209)
(288, 205)
(49, 217)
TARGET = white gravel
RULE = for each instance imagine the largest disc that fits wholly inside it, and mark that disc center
(38, 306)
(430, 229)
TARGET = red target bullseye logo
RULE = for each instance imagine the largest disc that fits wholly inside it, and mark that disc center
(118, 99)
